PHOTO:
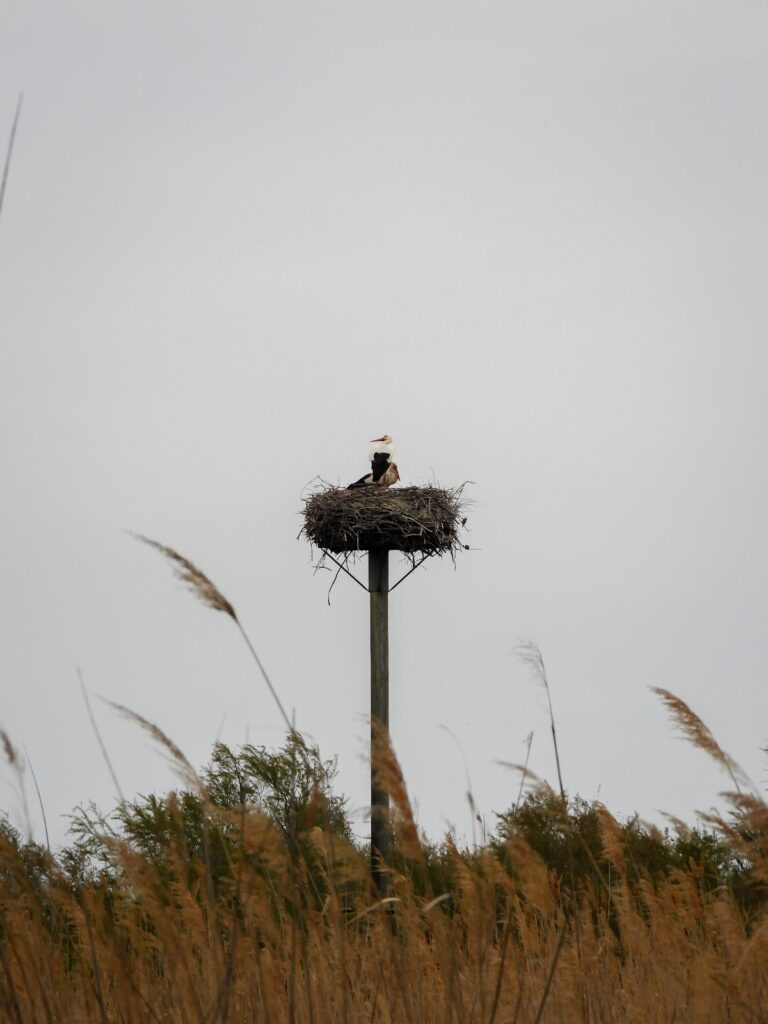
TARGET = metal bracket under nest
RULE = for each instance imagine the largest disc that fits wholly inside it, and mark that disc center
(343, 568)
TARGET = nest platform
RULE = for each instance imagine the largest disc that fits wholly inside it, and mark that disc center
(424, 520)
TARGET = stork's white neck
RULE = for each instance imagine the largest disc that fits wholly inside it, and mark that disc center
(382, 446)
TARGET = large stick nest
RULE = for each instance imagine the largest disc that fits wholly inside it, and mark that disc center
(424, 520)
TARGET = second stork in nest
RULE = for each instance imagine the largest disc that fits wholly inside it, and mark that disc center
(383, 470)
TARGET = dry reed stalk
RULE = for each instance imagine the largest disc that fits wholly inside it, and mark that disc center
(530, 654)
(389, 776)
(39, 800)
(9, 151)
(202, 587)
(611, 836)
(207, 592)
(99, 740)
(152, 941)
(177, 756)
(156, 959)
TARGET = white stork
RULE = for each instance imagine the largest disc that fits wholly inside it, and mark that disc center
(383, 470)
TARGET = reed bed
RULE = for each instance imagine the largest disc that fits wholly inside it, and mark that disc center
(289, 930)
(243, 898)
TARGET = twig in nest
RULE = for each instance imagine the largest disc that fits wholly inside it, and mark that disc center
(414, 520)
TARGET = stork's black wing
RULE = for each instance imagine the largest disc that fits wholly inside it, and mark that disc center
(379, 463)
(362, 482)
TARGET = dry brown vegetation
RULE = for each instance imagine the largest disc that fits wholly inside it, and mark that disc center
(274, 919)
(243, 898)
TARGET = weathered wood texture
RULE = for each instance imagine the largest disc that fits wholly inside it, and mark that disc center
(378, 584)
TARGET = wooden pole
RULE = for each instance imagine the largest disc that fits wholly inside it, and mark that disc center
(378, 584)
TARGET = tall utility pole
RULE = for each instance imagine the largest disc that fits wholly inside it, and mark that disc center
(378, 585)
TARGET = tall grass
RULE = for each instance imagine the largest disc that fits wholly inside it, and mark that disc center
(217, 906)
(292, 931)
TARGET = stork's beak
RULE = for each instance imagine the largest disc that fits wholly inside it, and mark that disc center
(375, 439)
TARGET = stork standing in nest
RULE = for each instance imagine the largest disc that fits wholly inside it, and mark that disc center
(383, 470)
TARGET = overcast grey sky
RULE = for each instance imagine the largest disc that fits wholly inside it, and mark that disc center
(528, 239)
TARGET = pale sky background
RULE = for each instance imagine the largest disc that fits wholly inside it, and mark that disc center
(528, 239)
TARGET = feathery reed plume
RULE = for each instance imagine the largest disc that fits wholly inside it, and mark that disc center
(9, 152)
(17, 764)
(195, 579)
(176, 753)
(526, 775)
(390, 778)
(696, 732)
(530, 654)
(10, 751)
(681, 828)
(611, 837)
(210, 595)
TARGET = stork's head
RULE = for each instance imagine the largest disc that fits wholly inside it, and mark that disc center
(386, 439)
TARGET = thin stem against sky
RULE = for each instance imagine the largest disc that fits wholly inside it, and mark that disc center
(9, 153)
